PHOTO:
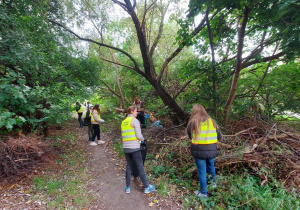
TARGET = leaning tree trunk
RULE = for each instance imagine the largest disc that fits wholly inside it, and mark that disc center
(169, 101)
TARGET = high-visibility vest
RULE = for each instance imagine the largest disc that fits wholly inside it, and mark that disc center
(92, 117)
(80, 109)
(128, 133)
(207, 134)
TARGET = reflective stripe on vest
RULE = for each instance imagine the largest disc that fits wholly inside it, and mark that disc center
(128, 133)
(92, 117)
(80, 109)
(207, 135)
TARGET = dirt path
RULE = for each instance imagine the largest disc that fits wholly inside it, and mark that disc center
(109, 179)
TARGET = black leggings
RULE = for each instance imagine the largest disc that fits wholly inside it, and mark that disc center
(96, 128)
(80, 120)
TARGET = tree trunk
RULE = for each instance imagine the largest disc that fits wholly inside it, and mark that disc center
(214, 76)
(238, 67)
(168, 101)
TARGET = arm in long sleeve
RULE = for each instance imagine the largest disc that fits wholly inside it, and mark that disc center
(137, 128)
(96, 117)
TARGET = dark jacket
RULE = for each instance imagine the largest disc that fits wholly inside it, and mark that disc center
(204, 151)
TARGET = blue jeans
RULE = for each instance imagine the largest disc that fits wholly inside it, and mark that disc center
(201, 165)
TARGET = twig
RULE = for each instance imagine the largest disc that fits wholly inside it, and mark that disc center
(279, 129)
(246, 202)
(240, 132)
(289, 176)
(9, 157)
(268, 133)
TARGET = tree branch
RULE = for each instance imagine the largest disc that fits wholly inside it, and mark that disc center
(270, 58)
(178, 50)
(159, 31)
(110, 89)
(142, 73)
(184, 86)
(257, 50)
(262, 79)
(121, 5)
(136, 68)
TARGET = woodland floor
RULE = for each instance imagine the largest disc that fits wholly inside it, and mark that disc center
(66, 157)
(106, 180)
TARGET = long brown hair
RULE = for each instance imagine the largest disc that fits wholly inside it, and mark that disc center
(130, 109)
(198, 116)
(97, 107)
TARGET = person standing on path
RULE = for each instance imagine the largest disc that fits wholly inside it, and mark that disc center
(203, 132)
(140, 106)
(131, 137)
(88, 121)
(96, 120)
(79, 109)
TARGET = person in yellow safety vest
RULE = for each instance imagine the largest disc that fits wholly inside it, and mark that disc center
(80, 110)
(132, 138)
(154, 121)
(258, 109)
(202, 130)
(96, 120)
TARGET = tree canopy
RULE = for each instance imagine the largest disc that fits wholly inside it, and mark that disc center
(222, 54)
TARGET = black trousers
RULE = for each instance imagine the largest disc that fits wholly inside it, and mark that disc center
(80, 120)
(135, 171)
(141, 118)
(96, 128)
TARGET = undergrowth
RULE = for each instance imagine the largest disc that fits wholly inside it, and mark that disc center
(66, 188)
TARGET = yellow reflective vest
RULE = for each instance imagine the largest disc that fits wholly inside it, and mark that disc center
(92, 116)
(207, 133)
(80, 109)
(128, 133)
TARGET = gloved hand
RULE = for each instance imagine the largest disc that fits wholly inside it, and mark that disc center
(143, 143)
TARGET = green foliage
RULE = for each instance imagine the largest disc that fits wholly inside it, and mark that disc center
(244, 191)
(40, 71)
(278, 93)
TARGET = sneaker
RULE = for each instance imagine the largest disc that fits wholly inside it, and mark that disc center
(92, 143)
(101, 142)
(149, 189)
(214, 185)
(200, 195)
(127, 189)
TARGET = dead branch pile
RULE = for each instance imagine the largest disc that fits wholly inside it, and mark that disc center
(20, 154)
(264, 150)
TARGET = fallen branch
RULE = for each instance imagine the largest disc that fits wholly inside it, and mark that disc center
(280, 129)
(240, 132)
(271, 137)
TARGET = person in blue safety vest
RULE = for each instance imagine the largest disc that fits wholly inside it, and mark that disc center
(203, 132)
(132, 138)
